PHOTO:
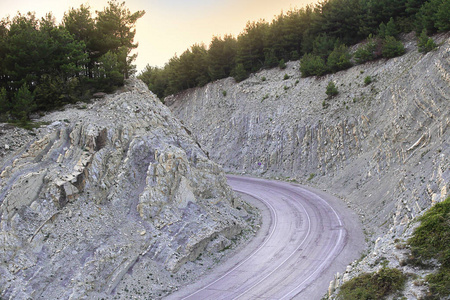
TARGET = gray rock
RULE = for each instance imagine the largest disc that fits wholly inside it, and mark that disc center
(115, 191)
(383, 148)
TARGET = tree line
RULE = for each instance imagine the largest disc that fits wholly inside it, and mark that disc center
(44, 65)
(318, 34)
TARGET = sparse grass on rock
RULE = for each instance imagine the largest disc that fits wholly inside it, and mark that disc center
(431, 242)
(377, 285)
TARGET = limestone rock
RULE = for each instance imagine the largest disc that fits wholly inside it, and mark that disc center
(116, 189)
(383, 148)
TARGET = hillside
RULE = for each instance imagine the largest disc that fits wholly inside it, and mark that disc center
(382, 147)
(109, 190)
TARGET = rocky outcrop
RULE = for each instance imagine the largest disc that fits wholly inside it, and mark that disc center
(382, 147)
(110, 199)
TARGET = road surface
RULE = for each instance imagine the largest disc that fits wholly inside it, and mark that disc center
(307, 236)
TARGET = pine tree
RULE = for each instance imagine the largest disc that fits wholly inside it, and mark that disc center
(23, 104)
(115, 30)
(331, 90)
(239, 73)
(425, 44)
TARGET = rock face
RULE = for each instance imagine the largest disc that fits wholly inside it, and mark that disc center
(383, 147)
(108, 199)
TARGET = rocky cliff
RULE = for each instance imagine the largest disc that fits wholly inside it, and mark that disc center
(112, 199)
(383, 146)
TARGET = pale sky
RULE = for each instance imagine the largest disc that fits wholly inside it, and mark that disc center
(169, 26)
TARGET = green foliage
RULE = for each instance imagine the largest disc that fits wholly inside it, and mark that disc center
(391, 29)
(312, 65)
(367, 80)
(331, 90)
(339, 59)
(373, 285)
(224, 93)
(367, 51)
(282, 64)
(23, 103)
(109, 71)
(221, 57)
(425, 44)
(431, 240)
(295, 55)
(286, 77)
(442, 16)
(323, 45)
(115, 30)
(392, 47)
(239, 73)
(4, 105)
(312, 33)
(270, 60)
(48, 65)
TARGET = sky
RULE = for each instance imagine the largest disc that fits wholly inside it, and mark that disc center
(169, 27)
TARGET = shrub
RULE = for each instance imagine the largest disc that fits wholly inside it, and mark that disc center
(286, 77)
(295, 55)
(425, 44)
(282, 64)
(378, 285)
(312, 65)
(392, 47)
(331, 89)
(366, 52)
(239, 73)
(431, 240)
(367, 80)
(24, 103)
(224, 93)
(339, 59)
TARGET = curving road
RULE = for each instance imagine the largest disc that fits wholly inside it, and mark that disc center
(307, 236)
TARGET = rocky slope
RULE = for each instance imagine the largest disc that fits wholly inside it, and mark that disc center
(113, 199)
(382, 147)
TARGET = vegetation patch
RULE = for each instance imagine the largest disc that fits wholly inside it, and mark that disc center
(331, 89)
(431, 242)
(376, 285)
(425, 44)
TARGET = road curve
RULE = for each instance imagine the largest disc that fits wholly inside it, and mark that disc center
(307, 236)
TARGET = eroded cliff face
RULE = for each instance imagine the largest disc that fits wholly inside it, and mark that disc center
(382, 147)
(108, 199)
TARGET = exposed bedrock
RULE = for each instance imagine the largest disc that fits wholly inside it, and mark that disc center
(114, 188)
(383, 147)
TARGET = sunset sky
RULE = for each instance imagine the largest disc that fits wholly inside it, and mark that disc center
(170, 26)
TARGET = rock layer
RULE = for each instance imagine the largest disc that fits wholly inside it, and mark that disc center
(382, 147)
(110, 196)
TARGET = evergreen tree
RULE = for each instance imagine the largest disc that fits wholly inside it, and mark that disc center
(239, 73)
(23, 104)
(312, 65)
(442, 16)
(4, 104)
(221, 57)
(391, 28)
(425, 44)
(339, 59)
(80, 24)
(392, 47)
(115, 30)
(331, 90)
(109, 71)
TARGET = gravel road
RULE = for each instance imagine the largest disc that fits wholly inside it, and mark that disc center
(306, 237)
